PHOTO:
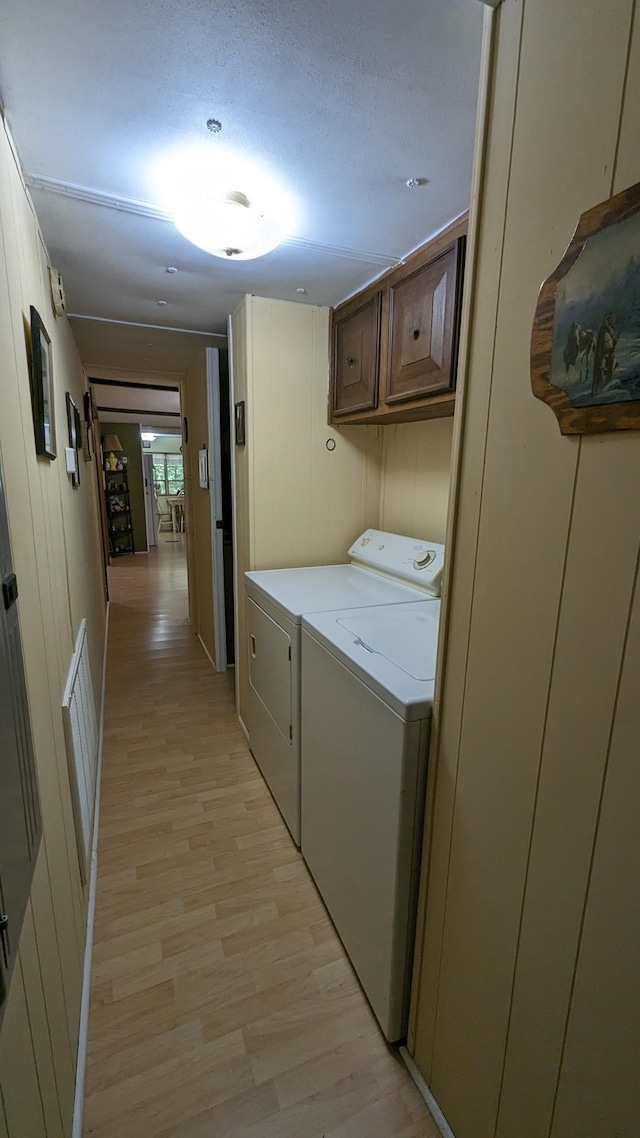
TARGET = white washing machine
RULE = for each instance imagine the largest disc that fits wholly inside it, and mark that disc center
(367, 694)
(385, 569)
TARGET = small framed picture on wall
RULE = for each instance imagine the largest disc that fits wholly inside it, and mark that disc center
(42, 388)
(75, 438)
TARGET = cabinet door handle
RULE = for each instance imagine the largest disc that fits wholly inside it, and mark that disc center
(350, 361)
(252, 640)
(415, 332)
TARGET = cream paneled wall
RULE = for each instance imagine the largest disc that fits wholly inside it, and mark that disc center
(57, 557)
(415, 477)
(297, 502)
(527, 1006)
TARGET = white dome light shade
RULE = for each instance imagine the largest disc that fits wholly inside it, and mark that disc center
(227, 225)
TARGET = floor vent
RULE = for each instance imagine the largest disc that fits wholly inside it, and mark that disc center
(81, 729)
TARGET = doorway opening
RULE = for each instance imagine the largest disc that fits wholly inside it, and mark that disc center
(164, 478)
(141, 477)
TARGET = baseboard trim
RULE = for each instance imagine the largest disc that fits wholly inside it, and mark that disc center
(244, 726)
(207, 652)
(83, 1033)
(421, 1083)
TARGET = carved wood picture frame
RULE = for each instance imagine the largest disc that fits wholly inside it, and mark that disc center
(585, 341)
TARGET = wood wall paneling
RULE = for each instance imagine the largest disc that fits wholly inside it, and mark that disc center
(414, 491)
(591, 629)
(531, 671)
(39, 1024)
(472, 444)
(598, 1086)
(61, 1032)
(58, 561)
(18, 1072)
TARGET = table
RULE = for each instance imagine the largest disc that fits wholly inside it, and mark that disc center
(176, 505)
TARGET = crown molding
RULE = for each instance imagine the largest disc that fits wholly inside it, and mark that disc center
(154, 327)
(148, 209)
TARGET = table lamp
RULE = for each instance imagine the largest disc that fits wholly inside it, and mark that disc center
(111, 444)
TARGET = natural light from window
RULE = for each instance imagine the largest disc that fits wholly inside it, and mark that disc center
(168, 473)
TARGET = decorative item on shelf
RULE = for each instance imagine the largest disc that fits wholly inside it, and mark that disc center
(585, 342)
(111, 444)
(74, 428)
(42, 402)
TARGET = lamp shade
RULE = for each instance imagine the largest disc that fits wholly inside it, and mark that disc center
(227, 225)
(111, 442)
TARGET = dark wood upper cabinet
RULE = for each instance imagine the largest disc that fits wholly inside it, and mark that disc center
(395, 344)
(423, 313)
(356, 346)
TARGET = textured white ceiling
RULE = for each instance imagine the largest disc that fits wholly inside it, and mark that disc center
(341, 102)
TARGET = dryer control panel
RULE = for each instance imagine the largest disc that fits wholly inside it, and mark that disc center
(406, 559)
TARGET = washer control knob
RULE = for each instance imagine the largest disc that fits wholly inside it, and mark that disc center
(425, 558)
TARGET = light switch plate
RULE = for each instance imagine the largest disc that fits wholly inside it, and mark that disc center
(71, 460)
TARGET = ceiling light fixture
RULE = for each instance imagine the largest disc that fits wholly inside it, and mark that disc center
(415, 183)
(226, 224)
(147, 438)
(170, 269)
(214, 125)
(162, 303)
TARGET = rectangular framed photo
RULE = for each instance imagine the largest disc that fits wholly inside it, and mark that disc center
(42, 402)
(75, 441)
(239, 424)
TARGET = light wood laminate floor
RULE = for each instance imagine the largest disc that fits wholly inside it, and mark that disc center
(223, 1005)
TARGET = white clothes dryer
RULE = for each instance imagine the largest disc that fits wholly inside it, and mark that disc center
(385, 569)
(367, 694)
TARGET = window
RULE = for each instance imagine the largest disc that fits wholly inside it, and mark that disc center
(168, 473)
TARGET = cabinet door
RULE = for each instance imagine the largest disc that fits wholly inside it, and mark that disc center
(424, 319)
(356, 341)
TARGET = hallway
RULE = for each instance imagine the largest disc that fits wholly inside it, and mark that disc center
(222, 1002)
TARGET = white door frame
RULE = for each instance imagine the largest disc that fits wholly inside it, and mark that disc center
(215, 503)
(234, 516)
(151, 514)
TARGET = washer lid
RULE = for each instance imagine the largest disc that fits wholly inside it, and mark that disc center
(408, 639)
(392, 649)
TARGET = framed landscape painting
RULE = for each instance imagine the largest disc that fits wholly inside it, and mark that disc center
(585, 347)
